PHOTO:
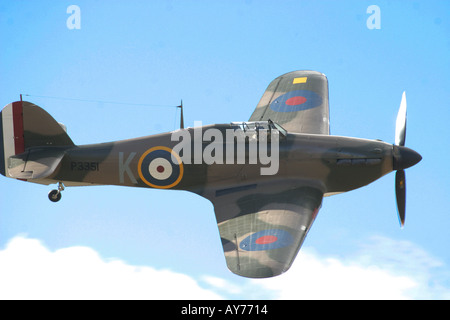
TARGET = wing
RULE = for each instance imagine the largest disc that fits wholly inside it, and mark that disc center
(263, 226)
(298, 101)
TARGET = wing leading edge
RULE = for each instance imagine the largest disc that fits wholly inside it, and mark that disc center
(262, 227)
(298, 101)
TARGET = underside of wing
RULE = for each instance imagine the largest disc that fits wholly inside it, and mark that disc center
(298, 101)
(262, 227)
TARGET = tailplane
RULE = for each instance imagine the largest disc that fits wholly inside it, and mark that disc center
(26, 133)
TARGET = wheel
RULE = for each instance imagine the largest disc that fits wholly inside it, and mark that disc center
(54, 195)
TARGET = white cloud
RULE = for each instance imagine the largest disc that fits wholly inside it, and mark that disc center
(312, 277)
(384, 269)
(28, 270)
(222, 285)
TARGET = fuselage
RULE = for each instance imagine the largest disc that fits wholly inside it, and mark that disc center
(335, 164)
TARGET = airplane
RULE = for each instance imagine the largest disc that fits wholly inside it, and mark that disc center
(263, 217)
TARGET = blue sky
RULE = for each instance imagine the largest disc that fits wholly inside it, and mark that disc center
(219, 57)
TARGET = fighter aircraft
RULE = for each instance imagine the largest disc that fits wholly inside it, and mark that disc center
(266, 177)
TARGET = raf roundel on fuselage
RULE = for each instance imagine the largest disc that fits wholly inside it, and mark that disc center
(157, 170)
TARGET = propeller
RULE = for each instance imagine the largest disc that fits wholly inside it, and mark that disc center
(403, 158)
(400, 123)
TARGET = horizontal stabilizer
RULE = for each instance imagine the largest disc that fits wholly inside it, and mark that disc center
(35, 163)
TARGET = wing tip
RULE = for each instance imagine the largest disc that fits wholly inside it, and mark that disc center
(304, 72)
(258, 273)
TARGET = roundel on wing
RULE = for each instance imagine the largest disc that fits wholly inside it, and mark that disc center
(267, 240)
(296, 100)
(160, 167)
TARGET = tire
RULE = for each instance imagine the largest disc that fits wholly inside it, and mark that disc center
(54, 195)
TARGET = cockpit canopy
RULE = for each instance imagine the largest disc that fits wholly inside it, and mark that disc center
(258, 127)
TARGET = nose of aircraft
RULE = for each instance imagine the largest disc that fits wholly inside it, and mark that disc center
(405, 157)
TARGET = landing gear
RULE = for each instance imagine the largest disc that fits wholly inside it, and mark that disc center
(55, 195)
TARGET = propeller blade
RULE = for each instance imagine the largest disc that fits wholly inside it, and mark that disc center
(400, 124)
(400, 192)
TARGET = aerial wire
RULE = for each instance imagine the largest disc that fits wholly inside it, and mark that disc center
(113, 102)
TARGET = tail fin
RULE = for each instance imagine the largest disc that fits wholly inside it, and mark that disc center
(24, 125)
